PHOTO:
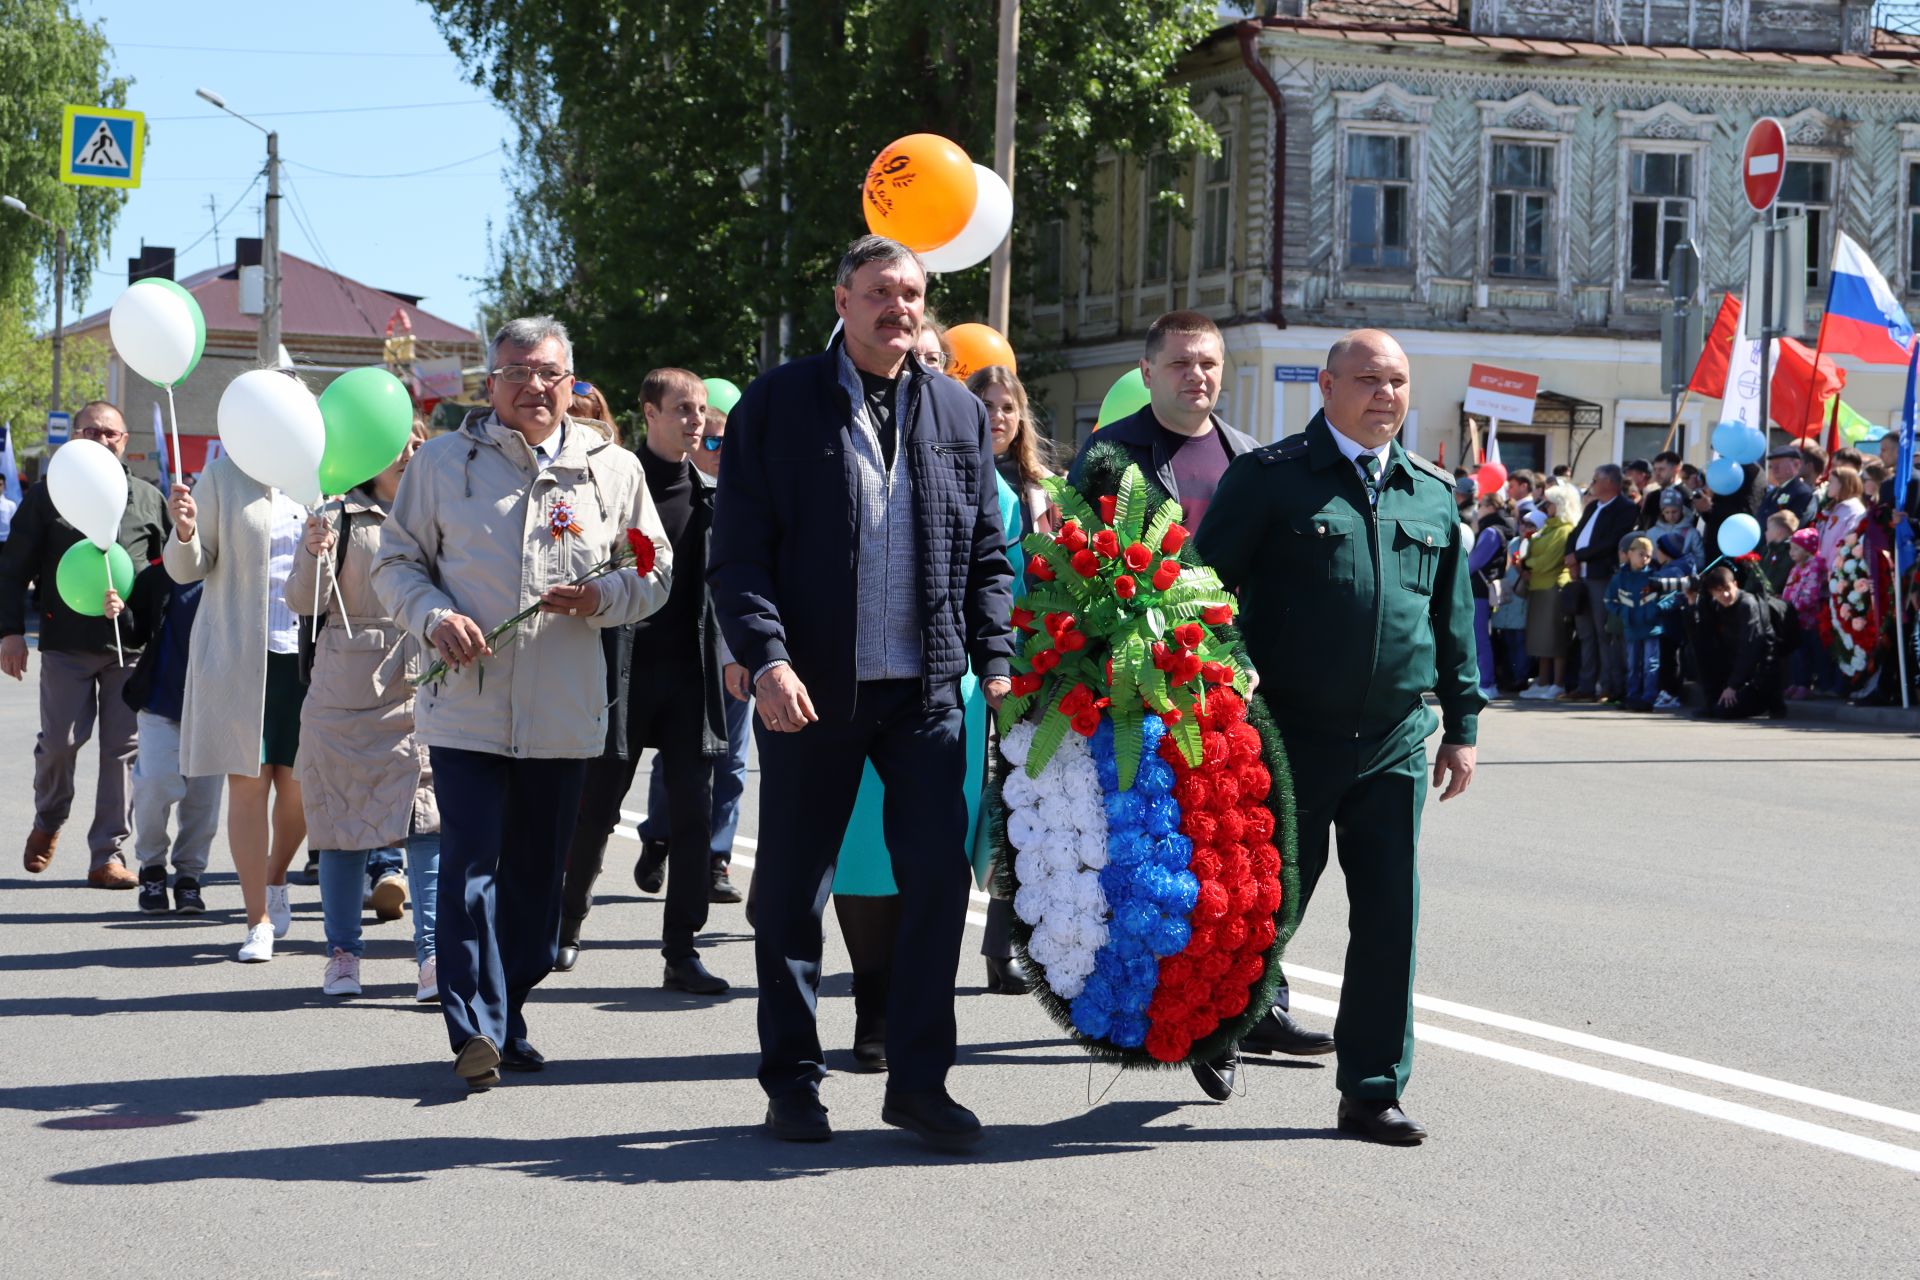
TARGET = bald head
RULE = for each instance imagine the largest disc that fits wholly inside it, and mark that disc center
(1366, 386)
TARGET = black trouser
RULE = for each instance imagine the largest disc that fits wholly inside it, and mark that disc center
(666, 708)
(808, 781)
(504, 827)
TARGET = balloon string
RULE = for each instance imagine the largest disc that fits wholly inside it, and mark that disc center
(173, 420)
(119, 655)
(341, 600)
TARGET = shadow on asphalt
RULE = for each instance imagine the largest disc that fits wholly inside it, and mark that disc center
(723, 1153)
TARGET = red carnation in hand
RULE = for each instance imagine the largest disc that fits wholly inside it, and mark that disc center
(1046, 660)
(1023, 618)
(642, 547)
(1085, 563)
(1107, 543)
(1078, 699)
(1215, 615)
(1107, 502)
(1166, 575)
(1024, 683)
(1038, 568)
(1071, 537)
(1138, 557)
(1188, 635)
(1125, 587)
(1175, 538)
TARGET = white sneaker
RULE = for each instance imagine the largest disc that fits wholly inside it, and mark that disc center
(1551, 692)
(1534, 692)
(258, 946)
(343, 974)
(1489, 692)
(1665, 702)
(429, 989)
(279, 910)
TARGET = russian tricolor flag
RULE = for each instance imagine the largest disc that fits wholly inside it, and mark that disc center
(1863, 317)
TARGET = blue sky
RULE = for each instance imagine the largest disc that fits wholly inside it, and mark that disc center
(424, 234)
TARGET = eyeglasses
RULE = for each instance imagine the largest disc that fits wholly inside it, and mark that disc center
(105, 435)
(520, 373)
(712, 443)
(580, 388)
(934, 359)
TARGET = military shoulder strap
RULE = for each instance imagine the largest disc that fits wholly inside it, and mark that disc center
(1433, 469)
(1282, 450)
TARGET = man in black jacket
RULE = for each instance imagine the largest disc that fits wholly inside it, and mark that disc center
(664, 674)
(858, 565)
(1593, 553)
(81, 675)
(1734, 642)
(1177, 439)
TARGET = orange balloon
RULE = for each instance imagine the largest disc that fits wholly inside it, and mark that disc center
(920, 191)
(975, 346)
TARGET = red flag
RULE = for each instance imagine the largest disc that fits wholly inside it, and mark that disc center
(1789, 405)
(1710, 372)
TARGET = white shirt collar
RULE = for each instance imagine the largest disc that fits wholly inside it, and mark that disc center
(549, 449)
(1352, 449)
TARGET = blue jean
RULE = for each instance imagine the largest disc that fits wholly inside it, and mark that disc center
(1483, 639)
(344, 874)
(1512, 644)
(1643, 668)
(729, 784)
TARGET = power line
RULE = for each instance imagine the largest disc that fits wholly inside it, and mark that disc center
(285, 53)
(412, 173)
(180, 253)
(330, 111)
(299, 207)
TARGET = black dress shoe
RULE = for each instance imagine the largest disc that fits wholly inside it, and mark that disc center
(569, 953)
(691, 976)
(1008, 977)
(942, 1123)
(1279, 1033)
(798, 1117)
(723, 889)
(520, 1055)
(478, 1063)
(650, 871)
(1216, 1077)
(1379, 1120)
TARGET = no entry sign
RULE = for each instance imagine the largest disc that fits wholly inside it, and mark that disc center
(1763, 164)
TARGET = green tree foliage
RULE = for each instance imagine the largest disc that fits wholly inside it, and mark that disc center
(26, 375)
(49, 57)
(677, 192)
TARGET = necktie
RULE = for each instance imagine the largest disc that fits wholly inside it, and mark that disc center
(1370, 468)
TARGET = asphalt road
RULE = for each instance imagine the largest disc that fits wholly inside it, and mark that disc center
(1673, 1036)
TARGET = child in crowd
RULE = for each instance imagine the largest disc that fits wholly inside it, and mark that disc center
(1776, 560)
(1509, 620)
(1642, 623)
(1676, 554)
(162, 624)
(1739, 669)
(1806, 594)
(1675, 517)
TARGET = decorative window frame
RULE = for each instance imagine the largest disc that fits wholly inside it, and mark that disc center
(1085, 298)
(1156, 294)
(1388, 109)
(1668, 128)
(1909, 156)
(1222, 115)
(1812, 134)
(1528, 118)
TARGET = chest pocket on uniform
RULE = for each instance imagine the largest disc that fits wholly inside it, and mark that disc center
(1418, 546)
(1323, 544)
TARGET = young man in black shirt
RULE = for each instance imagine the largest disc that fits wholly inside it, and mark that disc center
(663, 676)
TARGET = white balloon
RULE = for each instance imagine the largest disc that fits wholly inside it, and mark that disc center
(89, 489)
(270, 425)
(992, 219)
(153, 331)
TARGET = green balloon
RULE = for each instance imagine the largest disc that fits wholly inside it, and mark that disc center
(82, 577)
(368, 416)
(1124, 399)
(721, 394)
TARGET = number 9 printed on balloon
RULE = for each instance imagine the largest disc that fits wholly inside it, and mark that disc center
(1142, 811)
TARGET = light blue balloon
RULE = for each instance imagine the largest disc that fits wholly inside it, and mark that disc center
(1725, 476)
(1739, 441)
(1739, 535)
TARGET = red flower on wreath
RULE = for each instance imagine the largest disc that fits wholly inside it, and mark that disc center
(1024, 683)
(1085, 563)
(1078, 699)
(1038, 568)
(1071, 538)
(1107, 543)
(643, 552)
(1215, 615)
(1046, 660)
(1166, 575)
(1107, 502)
(1175, 538)
(1125, 587)
(1138, 557)
(1188, 635)
(1023, 618)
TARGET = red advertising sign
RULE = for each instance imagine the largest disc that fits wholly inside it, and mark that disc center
(1763, 164)
(1501, 393)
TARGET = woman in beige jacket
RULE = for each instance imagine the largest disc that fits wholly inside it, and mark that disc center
(241, 717)
(364, 780)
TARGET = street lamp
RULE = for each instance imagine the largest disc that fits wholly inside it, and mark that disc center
(270, 247)
(59, 288)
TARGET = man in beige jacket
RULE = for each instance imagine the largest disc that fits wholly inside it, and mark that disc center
(518, 507)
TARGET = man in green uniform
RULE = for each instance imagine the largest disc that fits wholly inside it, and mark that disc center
(1354, 599)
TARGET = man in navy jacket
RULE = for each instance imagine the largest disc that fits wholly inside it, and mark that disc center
(858, 566)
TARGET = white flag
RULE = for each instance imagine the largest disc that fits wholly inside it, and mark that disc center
(1741, 403)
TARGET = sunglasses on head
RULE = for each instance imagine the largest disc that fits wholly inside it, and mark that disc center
(712, 443)
(583, 388)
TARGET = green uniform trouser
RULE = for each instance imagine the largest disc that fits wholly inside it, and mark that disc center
(1369, 793)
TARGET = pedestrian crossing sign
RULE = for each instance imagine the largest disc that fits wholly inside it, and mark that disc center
(101, 146)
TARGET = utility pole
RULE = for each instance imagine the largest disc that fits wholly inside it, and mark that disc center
(59, 289)
(1000, 265)
(269, 351)
(213, 212)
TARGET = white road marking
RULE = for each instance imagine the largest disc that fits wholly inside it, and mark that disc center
(1698, 1103)
(1782, 1089)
